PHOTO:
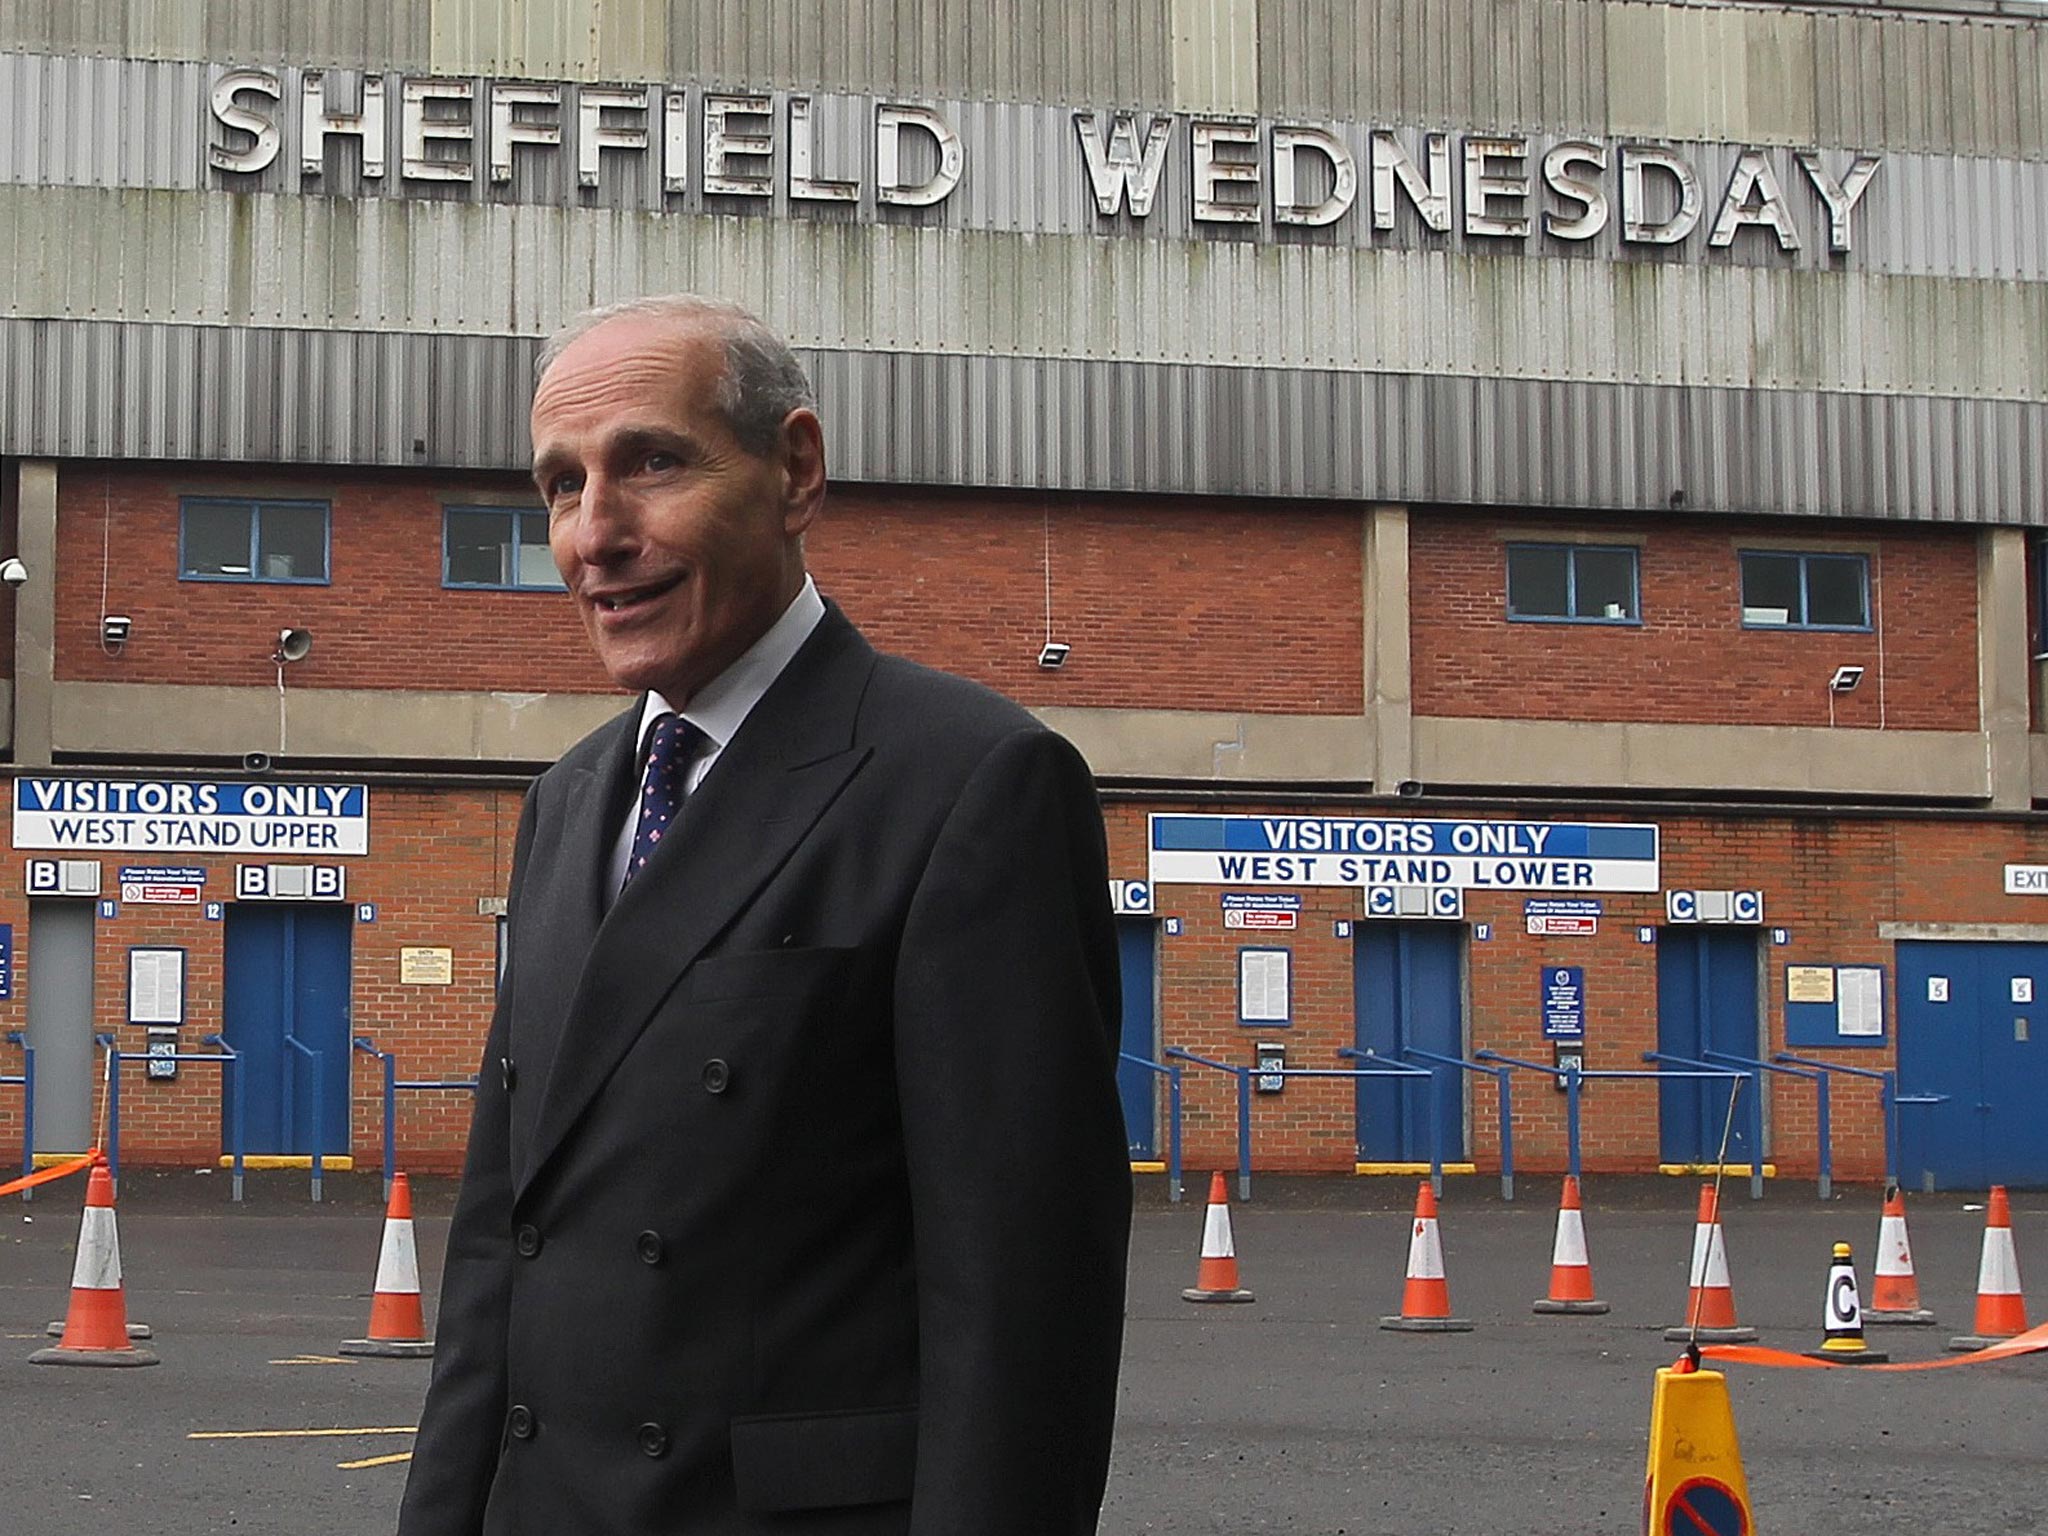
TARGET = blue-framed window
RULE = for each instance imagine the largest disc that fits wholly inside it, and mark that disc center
(231, 539)
(503, 548)
(1794, 591)
(1574, 583)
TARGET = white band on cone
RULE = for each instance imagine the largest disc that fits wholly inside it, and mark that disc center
(1894, 1256)
(1709, 1258)
(1570, 1248)
(1216, 1242)
(398, 1262)
(98, 1266)
(1998, 1272)
(1425, 1251)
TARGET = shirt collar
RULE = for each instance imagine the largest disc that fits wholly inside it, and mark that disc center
(721, 706)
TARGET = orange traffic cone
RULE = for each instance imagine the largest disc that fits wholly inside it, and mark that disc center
(1710, 1305)
(398, 1328)
(2001, 1308)
(96, 1324)
(1426, 1298)
(1571, 1273)
(1894, 1290)
(1217, 1280)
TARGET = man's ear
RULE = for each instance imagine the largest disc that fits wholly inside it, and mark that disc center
(803, 470)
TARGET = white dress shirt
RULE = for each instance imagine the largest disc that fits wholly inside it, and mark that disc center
(721, 706)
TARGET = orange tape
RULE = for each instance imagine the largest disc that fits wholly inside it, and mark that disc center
(51, 1174)
(1751, 1354)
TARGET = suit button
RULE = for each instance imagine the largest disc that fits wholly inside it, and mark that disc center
(653, 1440)
(527, 1241)
(648, 1245)
(716, 1075)
(520, 1422)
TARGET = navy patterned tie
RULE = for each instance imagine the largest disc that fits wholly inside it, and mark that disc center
(671, 747)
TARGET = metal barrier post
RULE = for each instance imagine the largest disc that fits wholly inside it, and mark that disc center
(28, 1106)
(1244, 1134)
(113, 1066)
(1173, 1167)
(1503, 1096)
(319, 1107)
(1572, 1075)
(389, 1063)
(231, 1074)
(1172, 1076)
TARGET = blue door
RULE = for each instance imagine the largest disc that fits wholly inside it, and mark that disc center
(1970, 1021)
(287, 980)
(1408, 990)
(1137, 945)
(1706, 1001)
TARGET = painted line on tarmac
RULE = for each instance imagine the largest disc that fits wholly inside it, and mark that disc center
(312, 1360)
(373, 1461)
(295, 1434)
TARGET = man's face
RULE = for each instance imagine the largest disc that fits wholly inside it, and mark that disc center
(678, 546)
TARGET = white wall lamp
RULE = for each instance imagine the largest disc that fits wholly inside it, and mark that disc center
(1844, 681)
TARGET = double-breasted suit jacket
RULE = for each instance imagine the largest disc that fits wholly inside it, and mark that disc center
(797, 1195)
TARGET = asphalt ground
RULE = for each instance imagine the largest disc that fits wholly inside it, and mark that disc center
(1294, 1413)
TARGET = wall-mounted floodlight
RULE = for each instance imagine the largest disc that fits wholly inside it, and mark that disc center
(115, 629)
(1845, 679)
(1053, 654)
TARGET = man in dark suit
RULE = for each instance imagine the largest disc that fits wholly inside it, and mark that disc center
(796, 1197)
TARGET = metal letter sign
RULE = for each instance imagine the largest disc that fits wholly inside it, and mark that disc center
(1564, 1002)
(1341, 851)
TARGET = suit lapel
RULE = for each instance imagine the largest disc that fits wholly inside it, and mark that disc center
(775, 778)
(565, 891)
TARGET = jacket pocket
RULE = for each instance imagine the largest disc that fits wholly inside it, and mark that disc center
(763, 973)
(789, 1461)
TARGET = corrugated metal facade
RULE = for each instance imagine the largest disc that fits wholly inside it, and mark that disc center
(151, 305)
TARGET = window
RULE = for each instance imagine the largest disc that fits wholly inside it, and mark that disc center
(498, 547)
(221, 540)
(1584, 583)
(1805, 591)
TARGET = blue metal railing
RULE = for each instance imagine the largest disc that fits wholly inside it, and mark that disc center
(1504, 1087)
(1693, 1066)
(291, 1094)
(1172, 1076)
(26, 1081)
(1573, 1079)
(392, 1083)
(1889, 1100)
(1390, 1068)
(1244, 1075)
(1822, 1113)
(226, 1058)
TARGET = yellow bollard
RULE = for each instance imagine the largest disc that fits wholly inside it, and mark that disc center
(1694, 1486)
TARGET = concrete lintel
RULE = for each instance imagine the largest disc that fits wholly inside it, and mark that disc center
(1200, 744)
(159, 719)
(1712, 759)
(2010, 933)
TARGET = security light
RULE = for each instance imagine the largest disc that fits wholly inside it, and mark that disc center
(1845, 678)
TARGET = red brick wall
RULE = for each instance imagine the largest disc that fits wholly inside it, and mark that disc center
(434, 853)
(1829, 882)
(1167, 604)
(385, 621)
(1183, 605)
(1690, 661)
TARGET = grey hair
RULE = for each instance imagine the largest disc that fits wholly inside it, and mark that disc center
(762, 383)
